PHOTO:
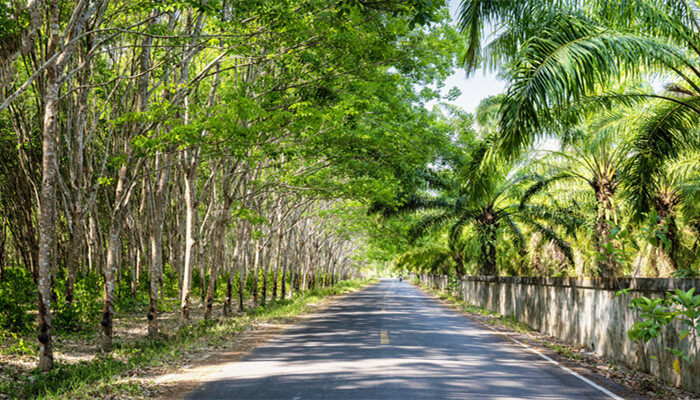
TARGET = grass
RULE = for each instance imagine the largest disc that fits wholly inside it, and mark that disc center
(96, 378)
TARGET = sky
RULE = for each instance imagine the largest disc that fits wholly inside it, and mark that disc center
(479, 85)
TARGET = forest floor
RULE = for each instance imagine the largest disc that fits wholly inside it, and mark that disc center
(141, 368)
(639, 384)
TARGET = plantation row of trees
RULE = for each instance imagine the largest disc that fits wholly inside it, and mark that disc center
(151, 145)
(582, 167)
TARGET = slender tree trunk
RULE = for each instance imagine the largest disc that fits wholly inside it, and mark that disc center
(256, 271)
(211, 289)
(47, 217)
(156, 241)
(189, 180)
(113, 247)
(278, 257)
(217, 259)
(265, 273)
(114, 250)
(241, 282)
(229, 292)
(73, 256)
(283, 281)
(77, 167)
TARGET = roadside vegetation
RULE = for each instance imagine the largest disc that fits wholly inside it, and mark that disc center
(586, 165)
(184, 160)
(102, 377)
(163, 164)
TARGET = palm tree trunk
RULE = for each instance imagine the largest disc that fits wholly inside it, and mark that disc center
(664, 204)
(488, 221)
(604, 189)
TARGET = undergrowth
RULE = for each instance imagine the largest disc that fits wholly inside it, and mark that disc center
(93, 379)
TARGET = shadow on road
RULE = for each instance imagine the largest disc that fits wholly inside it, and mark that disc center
(431, 353)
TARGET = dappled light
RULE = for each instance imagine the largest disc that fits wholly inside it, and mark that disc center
(432, 353)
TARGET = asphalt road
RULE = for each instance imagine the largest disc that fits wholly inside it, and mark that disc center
(393, 342)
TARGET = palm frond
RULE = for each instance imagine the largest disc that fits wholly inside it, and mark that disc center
(458, 227)
(428, 223)
(551, 236)
(430, 258)
(565, 218)
(541, 184)
(667, 131)
(407, 203)
(513, 227)
(566, 62)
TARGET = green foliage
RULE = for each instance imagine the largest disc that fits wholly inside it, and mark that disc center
(654, 318)
(479, 203)
(83, 314)
(18, 346)
(82, 379)
(688, 311)
(17, 291)
(686, 273)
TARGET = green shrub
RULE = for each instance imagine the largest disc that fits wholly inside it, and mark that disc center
(13, 317)
(84, 312)
(170, 281)
(124, 299)
(17, 294)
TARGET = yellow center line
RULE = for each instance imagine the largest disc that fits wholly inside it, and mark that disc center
(384, 337)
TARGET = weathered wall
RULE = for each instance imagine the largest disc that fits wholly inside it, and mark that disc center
(584, 311)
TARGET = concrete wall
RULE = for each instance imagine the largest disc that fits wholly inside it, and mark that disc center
(584, 311)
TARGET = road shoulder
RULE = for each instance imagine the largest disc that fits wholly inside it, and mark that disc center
(602, 371)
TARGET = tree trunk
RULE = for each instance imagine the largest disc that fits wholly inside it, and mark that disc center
(229, 292)
(665, 206)
(604, 189)
(156, 238)
(217, 259)
(47, 229)
(241, 283)
(73, 257)
(211, 289)
(488, 225)
(283, 281)
(113, 247)
(265, 274)
(189, 180)
(256, 271)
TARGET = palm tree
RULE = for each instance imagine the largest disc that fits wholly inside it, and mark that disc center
(595, 155)
(675, 191)
(559, 52)
(483, 193)
(603, 155)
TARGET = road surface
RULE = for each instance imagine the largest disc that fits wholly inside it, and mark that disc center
(391, 341)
